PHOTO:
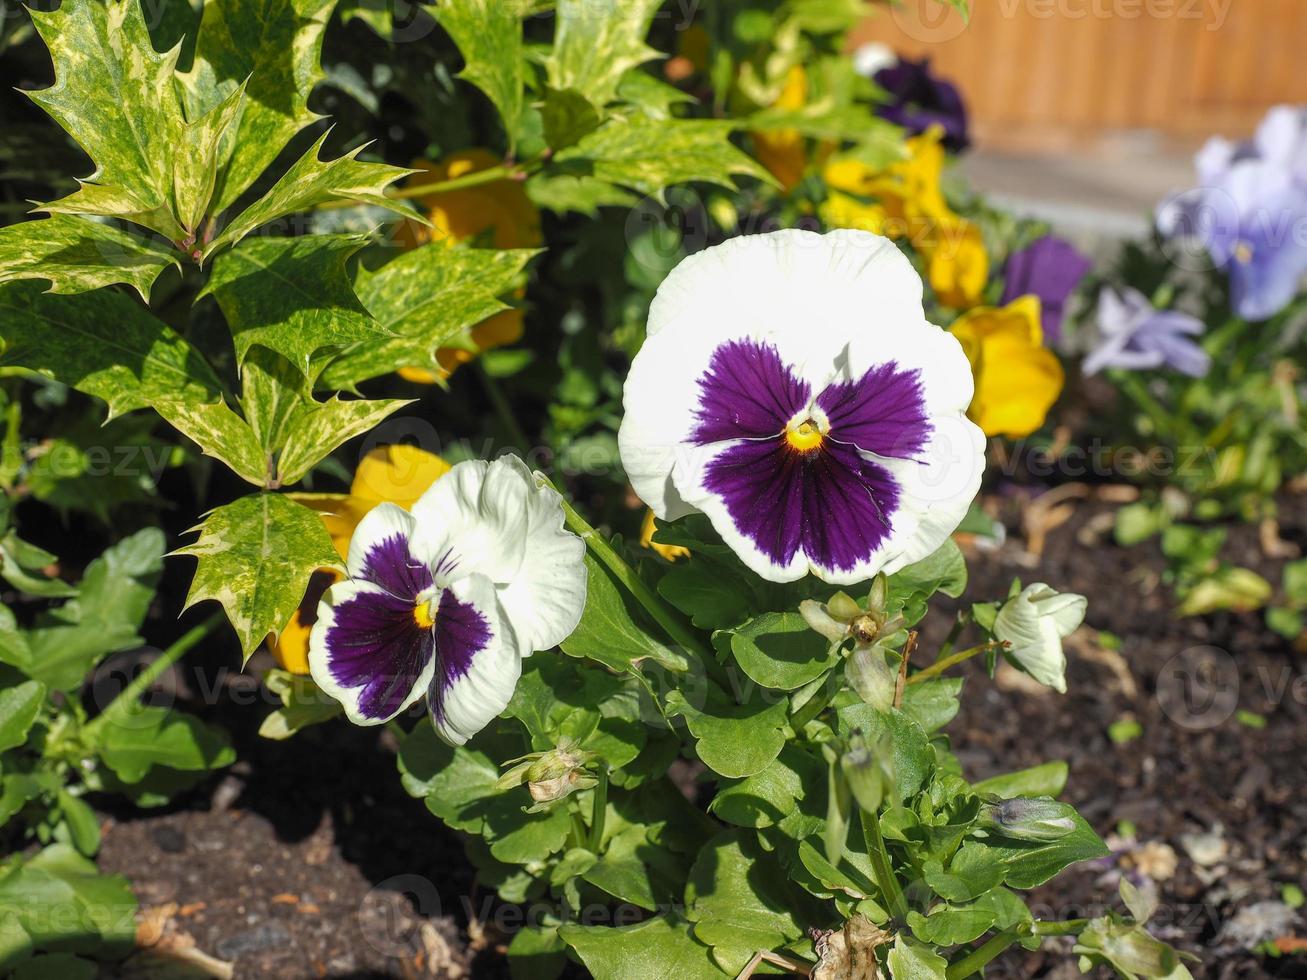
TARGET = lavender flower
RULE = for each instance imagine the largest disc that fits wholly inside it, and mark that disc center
(1136, 336)
(1250, 212)
(919, 100)
(1050, 268)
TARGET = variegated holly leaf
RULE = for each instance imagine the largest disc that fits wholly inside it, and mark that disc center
(274, 48)
(650, 155)
(118, 98)
(295, 430)
(293, 296)
(427, 298)
(76, 255)
(255, 557)
(109, 346)
(489, 36)
(312, 181)
(596, 43)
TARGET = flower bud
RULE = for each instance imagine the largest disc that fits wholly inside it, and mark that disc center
(1023, 818)
(868, 771)
(870, 675)
(556, 788)
(1033, 624)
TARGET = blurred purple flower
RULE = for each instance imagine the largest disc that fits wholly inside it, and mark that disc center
(1136, 336)
(1050, 268)
(1250, 212)
(919, 100)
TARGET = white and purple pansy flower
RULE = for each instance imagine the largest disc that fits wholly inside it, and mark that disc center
(446, 599)
(792, 390)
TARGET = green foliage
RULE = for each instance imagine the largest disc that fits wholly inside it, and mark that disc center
(51, 751)
(255, 557)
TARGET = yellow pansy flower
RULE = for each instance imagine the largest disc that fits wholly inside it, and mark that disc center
(669, 551)
(398, 474)
(782, 151)
(903, 201)
(498, 210)
(957, 264)
(1017, 378)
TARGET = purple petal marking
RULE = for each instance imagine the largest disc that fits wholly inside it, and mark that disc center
(883, 412)
(461, 633)
(747, 392)
(392, 566)
(831, 501)
(376, 644)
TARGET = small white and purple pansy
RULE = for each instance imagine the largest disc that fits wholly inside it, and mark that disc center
(447, 598)
(791, 389)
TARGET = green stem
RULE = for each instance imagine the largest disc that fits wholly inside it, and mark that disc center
(880, 864)
(474, 179)
(959, 625)
(129, 696)
(814, 706)
(979, 957)
(503, 409)
(1067, 927)
(633, 584)
(944, 663)
(600, 811)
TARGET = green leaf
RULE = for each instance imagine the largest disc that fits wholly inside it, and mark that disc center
(292, 296)
(911, 960)
(426, 298)
(779, 650)
(112, 600)
(734, 740)
(1048, 779)
(292, 428)
(913, 757)
(109, 346)
(596, 44)
(311, 181)
(652, 96)
(148, 737)
(770, 795)
(489, 36)
(303, 703)
(568, 117)
(563, 193)
(19, 707)
(649, 155)
(608, 633)
(655, 949)
(83, 826)
(1028, 864)
(117, 97)
(536, 953)
(255, 557)
(95, 913)
(949, 925)
(738, 911)
(933, 704)
(711, 595)
(76, 255)
(943, 571)
(274, 48)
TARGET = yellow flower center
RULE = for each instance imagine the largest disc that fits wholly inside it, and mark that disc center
(805, 437)
(423, 616)
(1243, 252)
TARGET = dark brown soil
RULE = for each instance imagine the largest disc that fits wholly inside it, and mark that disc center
(307, 859)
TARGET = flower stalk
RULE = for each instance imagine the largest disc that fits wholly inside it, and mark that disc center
(880, 864)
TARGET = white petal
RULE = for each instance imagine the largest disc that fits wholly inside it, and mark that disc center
(546, 597)
(478, 510)
(1034, 623)
(473, 683)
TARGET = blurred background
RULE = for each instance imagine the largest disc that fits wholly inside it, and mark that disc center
(1087, 112)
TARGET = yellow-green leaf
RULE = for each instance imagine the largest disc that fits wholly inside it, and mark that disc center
(76, 255)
